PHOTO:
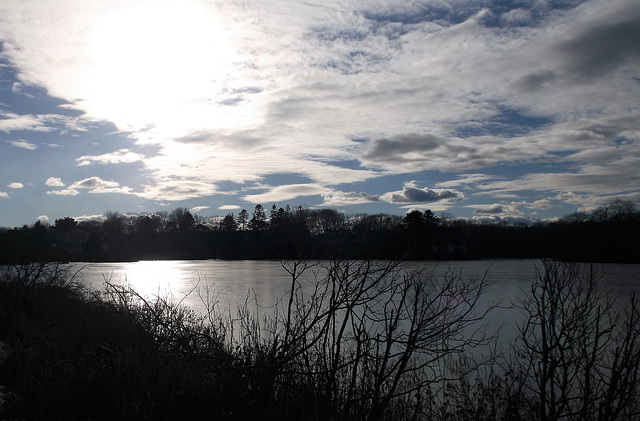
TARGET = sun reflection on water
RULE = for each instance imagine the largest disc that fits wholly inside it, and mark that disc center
(155, 278)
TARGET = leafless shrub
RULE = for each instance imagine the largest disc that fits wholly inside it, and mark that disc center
(29, 275)
(578, 357)
(366, 336)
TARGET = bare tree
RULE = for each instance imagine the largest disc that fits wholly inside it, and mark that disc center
(578, 357)
(367, 336)
(182, 219)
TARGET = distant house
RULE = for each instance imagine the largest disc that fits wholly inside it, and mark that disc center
(72, 241)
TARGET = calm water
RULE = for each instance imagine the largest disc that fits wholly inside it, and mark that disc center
(232, 282)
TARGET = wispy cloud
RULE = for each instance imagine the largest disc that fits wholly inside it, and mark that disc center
(41, 123)
(122, 156)
(23, 144)
(169, 189)
(337, 198)
(64, 192)
(10, 122)
(197, 209)
(286, 192)
(522, 102)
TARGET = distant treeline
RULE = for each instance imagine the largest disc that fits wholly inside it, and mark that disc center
(611, 233)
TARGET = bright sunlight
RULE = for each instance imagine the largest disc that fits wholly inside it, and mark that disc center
(154, 62)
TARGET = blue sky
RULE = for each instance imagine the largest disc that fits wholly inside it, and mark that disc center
(500, 110)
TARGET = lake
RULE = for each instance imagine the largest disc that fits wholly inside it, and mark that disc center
(233, 282)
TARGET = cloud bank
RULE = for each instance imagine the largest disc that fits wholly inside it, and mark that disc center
(347, 103)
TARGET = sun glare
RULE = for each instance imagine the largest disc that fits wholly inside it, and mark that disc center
(153, 60)
(155, 278)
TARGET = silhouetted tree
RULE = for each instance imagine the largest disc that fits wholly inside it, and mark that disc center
(113, 230)
(326, 220)
(182, 219)
(413, 220)
(113, 225)
(65, 224)
(575, 217)
(147, 225)
(163, 217)
(259, 220)
(429, 218)
(618, 210)
(280, 219)
(228, 223)
(419, 220)
(243, 219)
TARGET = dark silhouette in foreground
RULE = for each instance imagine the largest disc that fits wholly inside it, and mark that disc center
(369, 341)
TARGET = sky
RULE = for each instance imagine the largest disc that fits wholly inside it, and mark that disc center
(484, 109)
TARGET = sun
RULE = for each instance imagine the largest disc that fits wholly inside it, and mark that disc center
(150, 61)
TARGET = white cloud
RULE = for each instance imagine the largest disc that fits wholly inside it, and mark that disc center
(516, 17)
(466, 180)
(64, 192)
(54, 182)
(87, 218)
(197, 209)
(15, 185)
(340, 198)
(123, 156)
(94, 185)
(3, 194)
(10, 122)
(171, 189)
(229, 207)
(119, 190)
(42, 218)
(41, 123)
(284, 87)
(571, 197)
(23, 144)
(17, 87)
(286, 192)
(542, 204)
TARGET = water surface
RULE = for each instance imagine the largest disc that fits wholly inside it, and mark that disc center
(230, 283)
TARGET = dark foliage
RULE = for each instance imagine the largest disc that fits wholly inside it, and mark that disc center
(609, 234)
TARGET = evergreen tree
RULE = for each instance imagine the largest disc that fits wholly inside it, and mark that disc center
(259, 220)
(280, 219)
(243, 219)
(228, 223)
